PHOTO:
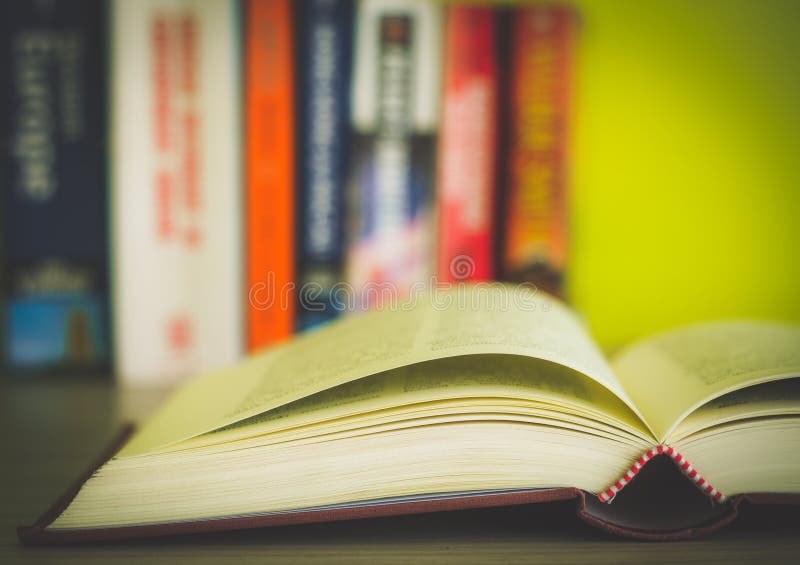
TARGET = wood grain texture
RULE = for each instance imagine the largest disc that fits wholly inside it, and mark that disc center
(52, 429)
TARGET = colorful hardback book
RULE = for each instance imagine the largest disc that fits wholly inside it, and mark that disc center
(467, 146)
(537, 153)
(54, 190)
(176, 187)
(269, 296)
(395, 115)
(484, 395)
(324, 57)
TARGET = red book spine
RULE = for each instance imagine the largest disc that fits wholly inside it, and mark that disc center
(269, 172)
(467, 146)
(535, 237)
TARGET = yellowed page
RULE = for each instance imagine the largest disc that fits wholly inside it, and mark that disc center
(669, 375)
(776, 398)
(486, 379)
(482, 319)
(743, 456)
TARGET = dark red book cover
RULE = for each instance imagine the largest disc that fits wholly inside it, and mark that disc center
(660, 505)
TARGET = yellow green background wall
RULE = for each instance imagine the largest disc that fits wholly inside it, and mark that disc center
(686, 197)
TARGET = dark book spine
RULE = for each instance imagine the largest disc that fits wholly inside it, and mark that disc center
(53, 175)
(324, 51)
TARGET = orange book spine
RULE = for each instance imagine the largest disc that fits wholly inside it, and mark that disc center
(269, 231)
(536, 200)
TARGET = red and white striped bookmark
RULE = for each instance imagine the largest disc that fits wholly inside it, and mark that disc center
(608, 495)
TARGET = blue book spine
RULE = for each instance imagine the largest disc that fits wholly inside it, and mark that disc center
(324, 60)
(53, 180)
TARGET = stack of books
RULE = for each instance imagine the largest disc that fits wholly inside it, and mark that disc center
(188, 181)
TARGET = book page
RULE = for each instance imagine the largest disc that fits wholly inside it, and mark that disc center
(467, 320)
(475, 384)
(775, 398)
(670, 375)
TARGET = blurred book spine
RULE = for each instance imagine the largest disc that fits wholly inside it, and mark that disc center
(541, 53)
(269, 157)
(395, 112)
(467, 145)
(324, 57)
(53, 175)
(176, 209)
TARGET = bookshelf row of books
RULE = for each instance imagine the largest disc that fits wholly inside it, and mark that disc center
(187, 181)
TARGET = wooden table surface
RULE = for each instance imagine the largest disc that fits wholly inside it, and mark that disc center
(52, 429)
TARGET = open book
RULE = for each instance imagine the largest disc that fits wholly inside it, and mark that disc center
(479, 395)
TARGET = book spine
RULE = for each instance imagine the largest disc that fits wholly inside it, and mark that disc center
(53, 175)
(395, 111)
(216, 276)
(690, 472)
(466, 174)
(541, 52)
(269, 155)
(324, 56)
(176, 201)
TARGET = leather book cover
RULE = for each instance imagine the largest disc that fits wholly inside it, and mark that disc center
(660, 505)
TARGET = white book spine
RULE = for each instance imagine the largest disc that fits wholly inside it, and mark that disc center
(426, 62)
(395, 99)
(176, 207)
